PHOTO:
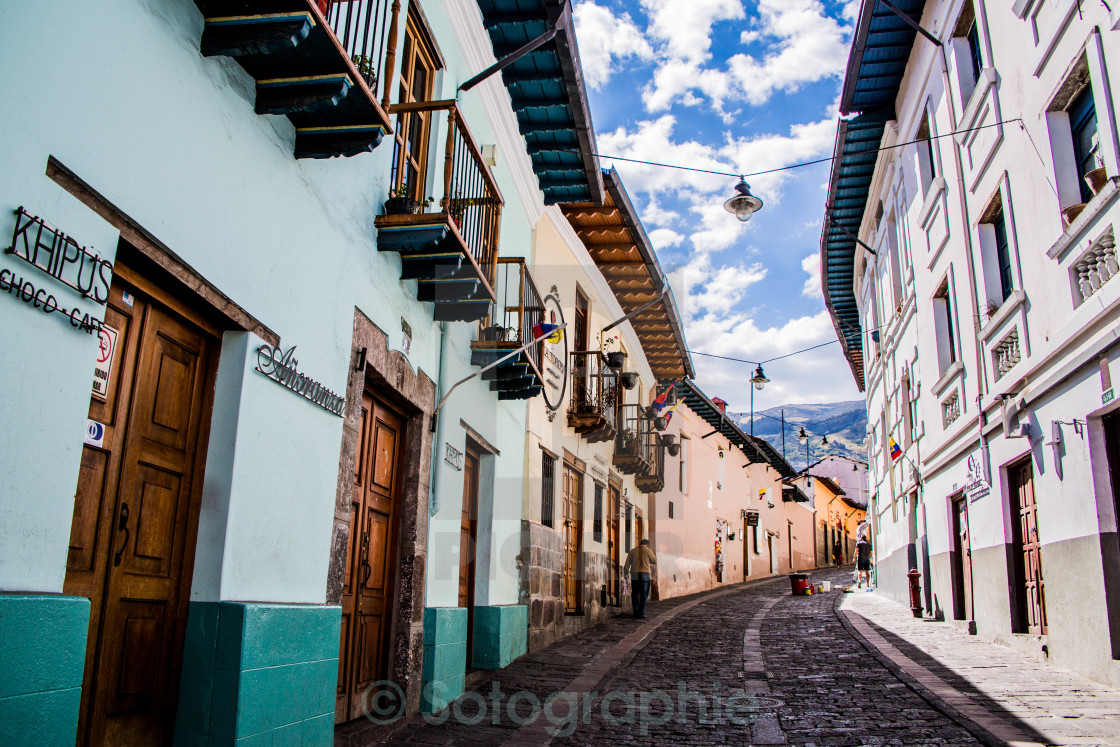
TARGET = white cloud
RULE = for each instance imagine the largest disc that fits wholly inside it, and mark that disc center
(685, 26)
(805, 45)
(665, 237)
(604, 40)
(812, 267)
(809, 46)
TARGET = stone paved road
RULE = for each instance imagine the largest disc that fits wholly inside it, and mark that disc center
(744, 665)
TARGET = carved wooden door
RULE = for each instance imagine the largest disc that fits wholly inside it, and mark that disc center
(962, 568)
(468, 538)
(613, 558)
(573, 536)
(1024, 520)
(132, 538)
(371, 565)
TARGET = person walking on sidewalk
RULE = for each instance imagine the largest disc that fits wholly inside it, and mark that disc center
(863, 561)
(639, 563)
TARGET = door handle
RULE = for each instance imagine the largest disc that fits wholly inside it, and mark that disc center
(122, 523)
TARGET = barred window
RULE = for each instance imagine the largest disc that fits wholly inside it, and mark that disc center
(548, 469)
(597, 522)
(670, 509)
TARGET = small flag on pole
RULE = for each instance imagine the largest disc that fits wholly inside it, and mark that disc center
(762, 494)
(895, 451)
(541, 328)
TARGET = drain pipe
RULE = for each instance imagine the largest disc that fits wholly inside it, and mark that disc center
(433, 493)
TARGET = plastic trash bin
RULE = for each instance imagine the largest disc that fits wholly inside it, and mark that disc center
(799, 583)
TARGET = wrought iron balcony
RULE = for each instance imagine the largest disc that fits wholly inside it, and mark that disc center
(322, 63)
(654, 480)
(517, 310)
(451, 254)
(591, 411)
(632, 446)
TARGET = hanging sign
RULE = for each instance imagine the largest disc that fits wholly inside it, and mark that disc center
(282, 367)
(976, 487)
(752, 518)
(103, 367)
(555, 362)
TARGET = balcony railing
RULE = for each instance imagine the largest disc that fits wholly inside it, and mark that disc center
(591, 411)
(517, 310)
(654, 480)
(364, 28)
(453, 253)
(321, 63)
(633, 446)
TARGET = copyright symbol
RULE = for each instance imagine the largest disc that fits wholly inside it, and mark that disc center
(383, 702)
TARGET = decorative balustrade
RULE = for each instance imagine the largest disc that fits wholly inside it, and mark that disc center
(451, 254)
(1096, 267)
(1006, 354)
(592, 408)
(517, 310)
(951, 409)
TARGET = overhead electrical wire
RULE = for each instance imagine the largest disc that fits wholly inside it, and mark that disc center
(744, 175)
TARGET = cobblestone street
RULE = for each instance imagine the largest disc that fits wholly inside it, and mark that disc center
(751, 664)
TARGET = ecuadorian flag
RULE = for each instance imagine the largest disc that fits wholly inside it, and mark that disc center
(895, 451)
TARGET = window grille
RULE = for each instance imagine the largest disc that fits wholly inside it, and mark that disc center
(548, 472)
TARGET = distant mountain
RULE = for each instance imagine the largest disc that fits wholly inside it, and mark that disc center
(844, 423)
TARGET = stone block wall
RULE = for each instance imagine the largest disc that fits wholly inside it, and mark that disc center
(542, 589)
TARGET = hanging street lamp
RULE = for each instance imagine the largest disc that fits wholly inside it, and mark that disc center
(759, 380)
(743, 204)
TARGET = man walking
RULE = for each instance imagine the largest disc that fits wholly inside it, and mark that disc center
(639, 563)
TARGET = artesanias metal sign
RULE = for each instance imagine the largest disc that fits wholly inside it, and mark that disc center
(282, 368)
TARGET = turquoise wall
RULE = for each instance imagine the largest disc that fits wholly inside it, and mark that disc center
(445, 656)
(42, 656)
(501, 634)
(258, 673)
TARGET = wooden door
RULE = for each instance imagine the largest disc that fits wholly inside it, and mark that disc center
(962, 563)
(573, 537)
(1111, 425)
(614, 566)
(132, 538)
(1024, 521)
(371, 563)
(773, 553)
(468, 542)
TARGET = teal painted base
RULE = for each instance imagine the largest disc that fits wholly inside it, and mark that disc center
(501, 634)
(41, 662)
(258, 674)
(445, 657)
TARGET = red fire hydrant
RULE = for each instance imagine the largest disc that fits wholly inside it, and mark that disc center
(915, 593)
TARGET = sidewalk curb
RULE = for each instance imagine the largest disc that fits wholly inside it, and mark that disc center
(986, 737)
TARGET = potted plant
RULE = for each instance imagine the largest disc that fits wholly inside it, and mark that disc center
(1069, 214)
(629, 440)
(660, 422)
(628, 379)
(493, 333)
(400, 202)
(669, 439)
(616, 359)
(1097, 177)
(673, 449)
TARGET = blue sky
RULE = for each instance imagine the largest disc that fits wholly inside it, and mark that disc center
(734, 86)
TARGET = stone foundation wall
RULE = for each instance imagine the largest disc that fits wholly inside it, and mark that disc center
(541, 586)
